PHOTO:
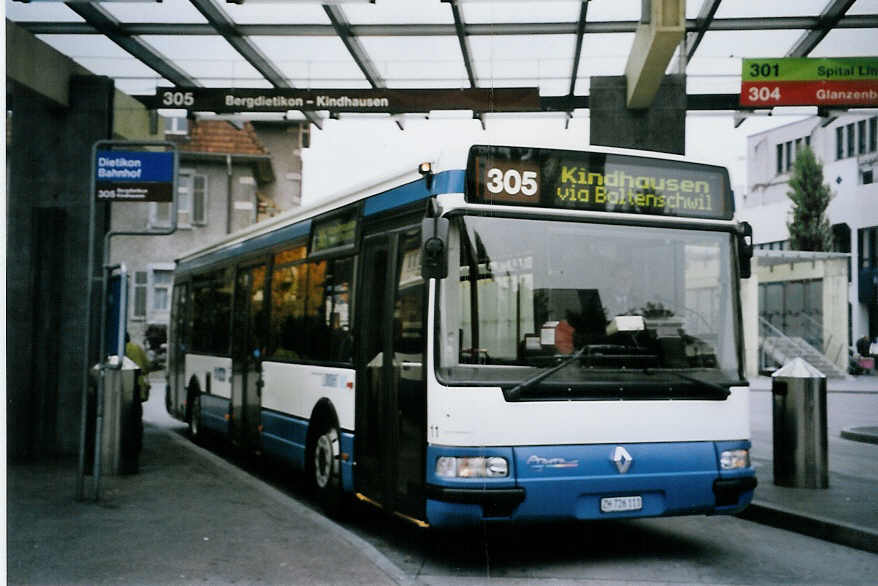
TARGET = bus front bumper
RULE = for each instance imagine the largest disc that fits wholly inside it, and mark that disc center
(583, 482)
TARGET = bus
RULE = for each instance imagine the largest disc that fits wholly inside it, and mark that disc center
(525, 334)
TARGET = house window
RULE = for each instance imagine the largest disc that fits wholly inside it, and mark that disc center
(177, 125)
(191, 203)
(779, 159)
(861, 134)
(138, 308)
(839, 142)
(788, 157)
(850, 151)
(873, 134)
(867, 247)
(161, 290)
(868, 176)
(199, 200)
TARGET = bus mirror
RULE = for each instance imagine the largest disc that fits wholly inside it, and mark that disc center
(434, 235)
(745, 248)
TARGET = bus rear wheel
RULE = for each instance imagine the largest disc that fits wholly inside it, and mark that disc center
(324, 468)
(195, 418)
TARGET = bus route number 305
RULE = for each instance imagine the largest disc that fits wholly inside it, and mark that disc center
(512, 182)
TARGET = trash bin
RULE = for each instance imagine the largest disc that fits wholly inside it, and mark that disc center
(799, 431)
(122, 429)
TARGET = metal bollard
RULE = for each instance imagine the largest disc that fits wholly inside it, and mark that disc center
(799, 426)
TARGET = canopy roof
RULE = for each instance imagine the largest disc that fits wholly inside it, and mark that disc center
(554, 45)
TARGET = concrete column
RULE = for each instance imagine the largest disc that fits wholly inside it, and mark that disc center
(49, 173)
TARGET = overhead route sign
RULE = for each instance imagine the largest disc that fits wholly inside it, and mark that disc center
(351, 100)
(849, 81)
(133, 175)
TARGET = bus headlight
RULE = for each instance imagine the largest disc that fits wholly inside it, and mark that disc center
(733, 459)
(478, 467)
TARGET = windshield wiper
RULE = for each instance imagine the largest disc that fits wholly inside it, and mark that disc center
(514, 393)
(704, 384)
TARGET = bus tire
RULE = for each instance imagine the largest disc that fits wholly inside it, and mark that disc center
(195, 431)
(169, 404)
(324, 467)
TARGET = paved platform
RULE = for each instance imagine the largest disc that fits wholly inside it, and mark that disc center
(847, 511)
(155, 528)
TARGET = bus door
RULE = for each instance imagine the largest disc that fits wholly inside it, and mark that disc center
(248, 345)
(391, 397)
(178, 338)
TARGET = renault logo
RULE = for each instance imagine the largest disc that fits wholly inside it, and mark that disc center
(622, 459)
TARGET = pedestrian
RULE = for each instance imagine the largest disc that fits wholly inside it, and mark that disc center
(138, 355)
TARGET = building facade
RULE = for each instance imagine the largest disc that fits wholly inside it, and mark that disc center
(847, 146)
(230, 176)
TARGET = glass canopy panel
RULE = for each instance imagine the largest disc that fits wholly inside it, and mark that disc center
(693, 7)
(153, 12)
(626, 10)
(516, 60)
(864, 7)
(313, 62)
(140, 86)
(604, 53)
(99, 55)
(761, 8)
(402, 61)
(398, 12)
(847, 43)
(716, 65)
(549, 11)
(209, 59)
(40, 12)
(276, 13)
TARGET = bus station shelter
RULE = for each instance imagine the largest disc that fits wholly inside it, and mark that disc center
(81, 72)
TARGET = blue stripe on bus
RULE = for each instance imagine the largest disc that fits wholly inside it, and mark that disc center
(347, 466)
(213, 413)
(284, 436)
(568, 482)
(265, 241)
(444, 182)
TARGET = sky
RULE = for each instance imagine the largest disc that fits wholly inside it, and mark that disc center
(351, 150)
(348, 152)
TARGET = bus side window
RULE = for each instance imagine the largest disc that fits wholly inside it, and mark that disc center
(408, 336)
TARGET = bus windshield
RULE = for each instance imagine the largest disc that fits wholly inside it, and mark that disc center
(612, 303)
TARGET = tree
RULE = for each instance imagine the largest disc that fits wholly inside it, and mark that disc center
(810, 229)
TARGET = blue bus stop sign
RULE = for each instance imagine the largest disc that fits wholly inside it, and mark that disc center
(141, 176)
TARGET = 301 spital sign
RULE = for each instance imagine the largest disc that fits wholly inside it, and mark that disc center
(353, 100)
(847, 81)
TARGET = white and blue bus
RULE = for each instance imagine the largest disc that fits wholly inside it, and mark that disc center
(539, 335)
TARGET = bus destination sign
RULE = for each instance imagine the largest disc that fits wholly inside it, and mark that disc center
(591, 181)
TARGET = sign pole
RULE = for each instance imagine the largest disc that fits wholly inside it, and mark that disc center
(141, 187)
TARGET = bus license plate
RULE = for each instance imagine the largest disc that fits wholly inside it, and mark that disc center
(616, 504)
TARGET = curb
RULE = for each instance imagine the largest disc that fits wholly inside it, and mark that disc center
(861, 434)
(332, 528)
(811, 525)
